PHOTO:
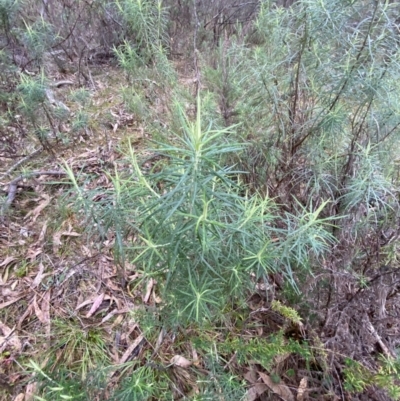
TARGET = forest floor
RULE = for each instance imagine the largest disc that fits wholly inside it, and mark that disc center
(55, 285)
(66, 301)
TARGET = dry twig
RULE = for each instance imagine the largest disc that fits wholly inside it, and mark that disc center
(22, 161)
(13, 185)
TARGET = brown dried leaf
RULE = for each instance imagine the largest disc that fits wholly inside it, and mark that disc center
(30, 391)
(8, 303)
(28, 312)
(251, 376)
(181, 361)
(46, 311)
(33, 253)
(86, 251)
(56, 241)
(9, 340)
(149, 288)
(111, 285)
(70, 234)
(281, 390)
(157, 299)
(84, 303)
(116, 312)
(36, 212)
(301, 391)
(7, 261)
(108, 316)
(195, 356)
(38, 311)
(20, 397)
(130, 349)
(12, 343)
(90, 301)
(39, 276)
(3, 280)
(97, 302)
(5, 329)
(281, 358)
(160, 340)
(255, 391)
(24, 232)
(118, 302)
(42, 234)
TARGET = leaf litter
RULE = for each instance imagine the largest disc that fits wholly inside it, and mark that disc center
(41, 280)
(71, 280)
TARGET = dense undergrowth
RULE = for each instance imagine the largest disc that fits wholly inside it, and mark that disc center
(252, 238)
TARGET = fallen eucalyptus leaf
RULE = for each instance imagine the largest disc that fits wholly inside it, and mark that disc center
(181, 361)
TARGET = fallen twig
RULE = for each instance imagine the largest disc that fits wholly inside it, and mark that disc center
(61, 83)
(388, 353)
(23, 160)
(12, 186)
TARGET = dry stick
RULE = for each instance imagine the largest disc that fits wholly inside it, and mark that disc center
(22, 161)
(388, 353)
(58, 84)
(12, 186)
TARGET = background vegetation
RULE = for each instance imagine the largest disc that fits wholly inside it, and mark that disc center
(200, 200)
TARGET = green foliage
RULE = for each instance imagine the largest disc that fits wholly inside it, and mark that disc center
(196, 233)
(8, 9)
(81, 96)
(145, 21)
(39, 37)
(288, 313)
(310, 101)
(219, 385)
(136, 65)
(128, 58)
(145, 43)
(184, 228)
(358, 377)
(77, 349)
(142, 384)
(223, 78)
(145, 38)
(33, 94)
(284, 170)
(42, 111)
(254, 349)
(80, 122)
(57, 387)
(22, 269)
(136, 103)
